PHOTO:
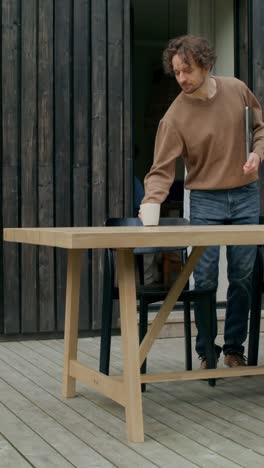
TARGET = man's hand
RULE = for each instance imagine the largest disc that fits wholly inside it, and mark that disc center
(252, 164)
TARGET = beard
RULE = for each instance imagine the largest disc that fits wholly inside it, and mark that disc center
(192, 88)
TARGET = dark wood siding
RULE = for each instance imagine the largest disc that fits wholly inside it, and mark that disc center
(45, 162)
(11, 200)
(241, 20)
(257, 66)
(257, 19)
(249, 58)
(28, 162)
(66, 146)
(82, 138)
(99, 140)
(62, 137)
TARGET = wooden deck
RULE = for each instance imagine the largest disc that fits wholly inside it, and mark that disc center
(187, 424)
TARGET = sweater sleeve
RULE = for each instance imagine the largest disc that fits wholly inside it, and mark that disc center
(258, 135)
(168, 146)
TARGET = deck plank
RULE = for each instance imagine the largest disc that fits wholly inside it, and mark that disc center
(9, 456)
(187, 424)
(19, 395)
(32, 450)
(95, 426)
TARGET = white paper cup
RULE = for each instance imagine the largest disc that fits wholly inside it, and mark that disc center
(150, 213)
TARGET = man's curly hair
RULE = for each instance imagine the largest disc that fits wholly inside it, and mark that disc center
(189, 48)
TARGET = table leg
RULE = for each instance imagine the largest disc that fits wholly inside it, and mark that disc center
(71, 319)
(130, 345)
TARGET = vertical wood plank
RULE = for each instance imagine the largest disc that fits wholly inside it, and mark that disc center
(29, 204)
(115, 108)
(258, 59)
(99, 143)
(243, 41)
(258, 69)
(127, 99)
(63, 140)
(1, 190)
(81, 139)
(10, 160)
(45, 162)
(115, 173)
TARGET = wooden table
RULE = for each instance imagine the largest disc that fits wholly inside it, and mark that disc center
(126, 389)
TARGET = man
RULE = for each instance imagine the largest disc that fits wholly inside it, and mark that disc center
(205, 126)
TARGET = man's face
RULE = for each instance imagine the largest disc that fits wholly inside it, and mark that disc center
(189, 76)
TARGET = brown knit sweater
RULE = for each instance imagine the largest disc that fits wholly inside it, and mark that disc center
(210, 136)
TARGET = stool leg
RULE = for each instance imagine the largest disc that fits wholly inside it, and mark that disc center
(165, 271)
(143, 327)
(187, 335)
(107, 312)
(255, 313)
(106, 336)
(211, 346)
(208, 323)
(254, 330)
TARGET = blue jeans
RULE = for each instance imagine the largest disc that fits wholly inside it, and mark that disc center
(233, 206)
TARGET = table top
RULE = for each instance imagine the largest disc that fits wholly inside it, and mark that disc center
(137, 236)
